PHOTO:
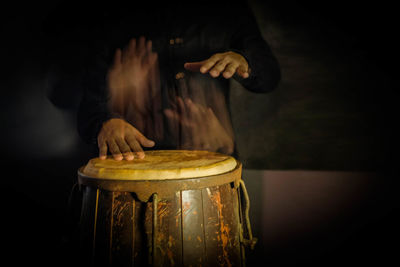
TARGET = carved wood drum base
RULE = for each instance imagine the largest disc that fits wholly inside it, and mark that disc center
(169, 219)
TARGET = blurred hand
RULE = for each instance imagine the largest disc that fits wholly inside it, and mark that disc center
(130, 75)
(227, 63)
(200, 128)
(122, 140)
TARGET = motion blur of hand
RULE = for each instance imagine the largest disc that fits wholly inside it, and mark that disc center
(200, 128)
(131, 75)
(228, 63)
(122, 140)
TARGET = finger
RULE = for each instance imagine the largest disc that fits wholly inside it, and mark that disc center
(242, 72)
(209, 63)
(182, 111)
(124, 148)
(230, 70)
(211, 118)
(172, 115)
(149, 45)
(195, 105)
(135, 146)
(177, 119)
(141, 46)
(129, 50)
(194, 109)
(112, 145)
(151, 56)
(102, 150)
(143, 140)
(117, 57)
(194, 66)
(218, 68)
(173, 105)
(180, 105)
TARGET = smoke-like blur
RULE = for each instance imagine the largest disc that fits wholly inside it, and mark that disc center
(134, 84)
(193, 111)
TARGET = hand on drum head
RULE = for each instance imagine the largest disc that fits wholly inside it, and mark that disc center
(122, 140)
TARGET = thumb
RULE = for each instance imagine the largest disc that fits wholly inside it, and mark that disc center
(242, 72)
(193, 66)
(145, 141)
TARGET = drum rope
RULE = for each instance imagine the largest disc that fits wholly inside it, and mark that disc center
(251, 241)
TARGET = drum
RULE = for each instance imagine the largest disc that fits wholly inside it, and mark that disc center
(172, 208)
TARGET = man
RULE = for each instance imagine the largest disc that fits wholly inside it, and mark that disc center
(158, 76)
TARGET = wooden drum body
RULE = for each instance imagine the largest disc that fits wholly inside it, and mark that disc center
(133, 215)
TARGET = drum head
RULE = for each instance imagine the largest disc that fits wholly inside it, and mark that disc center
(161, 165)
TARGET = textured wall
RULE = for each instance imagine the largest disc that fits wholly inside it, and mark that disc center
(327, 112)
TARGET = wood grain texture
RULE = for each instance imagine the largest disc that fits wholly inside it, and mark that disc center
(198, 226)
(212, 228)
(193, 228)
(169, 232)
(122, 229)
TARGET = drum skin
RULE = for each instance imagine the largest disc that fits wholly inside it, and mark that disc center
(182, 222)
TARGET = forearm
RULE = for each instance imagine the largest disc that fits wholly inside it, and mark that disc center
(94, 108)
(91, 117)
(247, 40)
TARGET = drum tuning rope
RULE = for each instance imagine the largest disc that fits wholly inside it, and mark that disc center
(251, 241)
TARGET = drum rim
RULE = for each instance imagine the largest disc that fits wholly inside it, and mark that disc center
(226, 164)
(165, 188)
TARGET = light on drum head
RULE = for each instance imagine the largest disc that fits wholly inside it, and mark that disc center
(162, 165)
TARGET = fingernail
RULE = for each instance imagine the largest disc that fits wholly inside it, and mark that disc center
(227, 74)
(151, 143)
(129, 157)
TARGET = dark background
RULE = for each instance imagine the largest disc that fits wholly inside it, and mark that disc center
(335, 110)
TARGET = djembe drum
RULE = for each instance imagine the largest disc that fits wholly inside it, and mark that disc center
(172, 208)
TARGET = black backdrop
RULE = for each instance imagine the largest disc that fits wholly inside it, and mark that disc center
(41, 150)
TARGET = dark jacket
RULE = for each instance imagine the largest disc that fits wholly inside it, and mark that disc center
(181, 32)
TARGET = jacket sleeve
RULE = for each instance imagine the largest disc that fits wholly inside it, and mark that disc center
(247, 40)
(93, 110)
(92, 113)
